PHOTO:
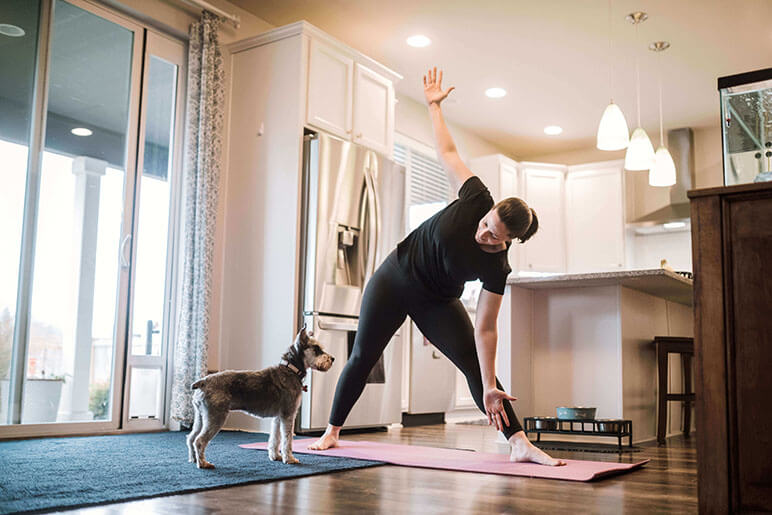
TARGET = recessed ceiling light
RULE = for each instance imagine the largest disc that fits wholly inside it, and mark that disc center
(11, 30)
(419, 41)
(552, 130)
(81, 131)
(495, 92)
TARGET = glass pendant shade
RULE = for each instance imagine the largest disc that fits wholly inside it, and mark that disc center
(613, 133)
(663, 173)
(640, 153)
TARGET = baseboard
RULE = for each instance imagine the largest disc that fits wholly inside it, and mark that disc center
(422, 419)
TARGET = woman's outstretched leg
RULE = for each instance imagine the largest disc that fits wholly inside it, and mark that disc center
(382, 312)
(447, 326)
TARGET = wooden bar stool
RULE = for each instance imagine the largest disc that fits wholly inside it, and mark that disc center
(685, 347)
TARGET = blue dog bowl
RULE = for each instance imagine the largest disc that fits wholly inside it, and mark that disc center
(576, 413)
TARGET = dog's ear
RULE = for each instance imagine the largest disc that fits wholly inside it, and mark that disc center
(302, 335)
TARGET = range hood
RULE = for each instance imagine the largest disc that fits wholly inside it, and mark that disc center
(680, 143)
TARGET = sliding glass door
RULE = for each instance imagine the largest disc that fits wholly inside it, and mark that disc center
(91, 199)
(156, 220)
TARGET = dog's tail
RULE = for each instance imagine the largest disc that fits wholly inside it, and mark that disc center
(198, 384)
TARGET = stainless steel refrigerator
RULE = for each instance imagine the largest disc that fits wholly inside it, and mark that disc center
(352, 217)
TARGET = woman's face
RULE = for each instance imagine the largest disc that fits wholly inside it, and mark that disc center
(491, 230)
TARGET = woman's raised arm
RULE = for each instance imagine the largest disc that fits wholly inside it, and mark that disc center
(457, 171)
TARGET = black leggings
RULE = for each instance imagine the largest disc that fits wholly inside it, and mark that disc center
(388, 298)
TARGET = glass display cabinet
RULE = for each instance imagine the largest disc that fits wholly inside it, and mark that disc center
(746, 113)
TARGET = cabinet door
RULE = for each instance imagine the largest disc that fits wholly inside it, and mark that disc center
(330, 76)
(507, 181)
(509, 188)
(545, 251)
(373, 110)
(594, 220)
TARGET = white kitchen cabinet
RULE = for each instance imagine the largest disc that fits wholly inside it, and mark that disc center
(543, 189)
(595, 217)
(500, 175)
(279, 83)
(508, 181)
(330, 81)
(373, 110)
(349, 96)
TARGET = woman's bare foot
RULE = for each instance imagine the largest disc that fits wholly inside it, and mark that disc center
(524, 450)
(327, 440)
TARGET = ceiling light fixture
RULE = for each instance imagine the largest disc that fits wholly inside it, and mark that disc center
(613, 133)
(11, 30)
(81, 131)
(663, 173)
(640, 153)
(419, 41)
(495, 92)
(553, 130)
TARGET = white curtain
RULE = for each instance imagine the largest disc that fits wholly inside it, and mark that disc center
(205, 110)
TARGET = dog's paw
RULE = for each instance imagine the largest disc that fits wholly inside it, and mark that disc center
(290, 460)
(205, 465)
(274, 454)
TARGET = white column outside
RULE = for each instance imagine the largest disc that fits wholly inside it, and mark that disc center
(75, 395)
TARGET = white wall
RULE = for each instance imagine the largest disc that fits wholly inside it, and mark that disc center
(175, 17)
(412, 119)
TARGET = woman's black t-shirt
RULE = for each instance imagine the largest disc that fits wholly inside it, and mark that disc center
(442, 253)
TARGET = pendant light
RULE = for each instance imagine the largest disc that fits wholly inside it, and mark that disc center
(613, 133)
(663, 173)
(640, 153)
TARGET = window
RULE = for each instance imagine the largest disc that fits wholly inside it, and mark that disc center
(428, 189)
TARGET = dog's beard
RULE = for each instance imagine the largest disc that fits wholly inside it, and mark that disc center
(323, 365)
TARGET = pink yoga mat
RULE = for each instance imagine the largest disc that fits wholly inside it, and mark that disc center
(455, 459)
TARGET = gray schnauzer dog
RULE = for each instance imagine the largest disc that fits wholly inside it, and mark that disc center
(271, 392)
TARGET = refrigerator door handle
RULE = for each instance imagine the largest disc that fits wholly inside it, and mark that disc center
(364, 230)
(372, 226)
(377, 203)
(337, 325)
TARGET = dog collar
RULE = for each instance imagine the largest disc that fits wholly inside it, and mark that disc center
(300, 373)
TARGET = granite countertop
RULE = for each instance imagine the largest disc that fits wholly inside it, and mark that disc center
(658, 282)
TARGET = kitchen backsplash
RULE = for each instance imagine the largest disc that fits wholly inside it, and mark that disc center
(647, 251)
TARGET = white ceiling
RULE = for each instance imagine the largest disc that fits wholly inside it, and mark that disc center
(552, 56)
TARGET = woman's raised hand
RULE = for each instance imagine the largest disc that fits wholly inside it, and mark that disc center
(433, 87)
(494, 407)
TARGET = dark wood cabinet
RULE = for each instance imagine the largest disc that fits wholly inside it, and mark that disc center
(732, 258)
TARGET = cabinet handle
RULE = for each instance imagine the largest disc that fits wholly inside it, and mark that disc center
(359, 135)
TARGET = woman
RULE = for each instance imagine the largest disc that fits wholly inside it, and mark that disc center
(424, 278)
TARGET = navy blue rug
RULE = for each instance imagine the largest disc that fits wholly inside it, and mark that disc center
(46, 473)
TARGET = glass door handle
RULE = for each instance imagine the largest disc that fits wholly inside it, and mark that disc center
(122, 252)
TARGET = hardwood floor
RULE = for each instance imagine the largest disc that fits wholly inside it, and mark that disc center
(667, 484)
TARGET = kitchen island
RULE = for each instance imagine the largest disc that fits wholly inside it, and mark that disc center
(586, 340)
